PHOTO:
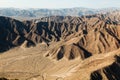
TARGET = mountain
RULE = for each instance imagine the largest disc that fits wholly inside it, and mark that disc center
(61, 47)
(37, 13)
(11, 33)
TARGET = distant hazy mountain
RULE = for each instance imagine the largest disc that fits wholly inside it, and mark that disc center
(33, 13)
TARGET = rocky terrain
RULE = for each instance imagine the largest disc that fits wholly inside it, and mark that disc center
(61, 48)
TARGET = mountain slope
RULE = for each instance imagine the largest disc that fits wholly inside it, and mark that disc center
(11, 33)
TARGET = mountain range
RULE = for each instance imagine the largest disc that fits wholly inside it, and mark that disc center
(37, 13)
(83, 47)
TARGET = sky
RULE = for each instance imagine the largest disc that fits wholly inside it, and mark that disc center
(55, 4)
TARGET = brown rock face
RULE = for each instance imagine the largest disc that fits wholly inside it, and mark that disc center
(11, 33)
(111, 72)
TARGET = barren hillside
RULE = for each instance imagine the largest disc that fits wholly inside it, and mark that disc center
(61, 48)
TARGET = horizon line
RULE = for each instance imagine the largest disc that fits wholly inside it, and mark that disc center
(61, 8)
